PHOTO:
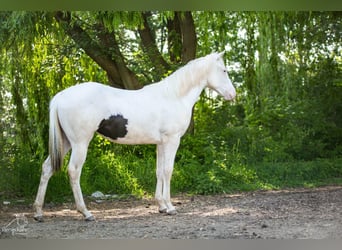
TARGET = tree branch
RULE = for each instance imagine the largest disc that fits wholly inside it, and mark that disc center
(108, 40)
(118, 74)
(150, 47)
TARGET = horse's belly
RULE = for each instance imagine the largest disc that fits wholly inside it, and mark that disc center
(137, 139)
(140, 140)
(117, 129)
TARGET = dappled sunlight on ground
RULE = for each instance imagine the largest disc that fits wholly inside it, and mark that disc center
(285, 214)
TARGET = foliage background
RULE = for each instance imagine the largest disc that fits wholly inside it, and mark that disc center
(284, 129)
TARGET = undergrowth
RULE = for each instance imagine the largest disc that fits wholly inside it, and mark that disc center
(201, 167)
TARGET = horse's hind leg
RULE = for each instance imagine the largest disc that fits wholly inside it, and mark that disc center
(47, 172)
(78, 156)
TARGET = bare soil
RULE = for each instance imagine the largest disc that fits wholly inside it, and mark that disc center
(286, 214)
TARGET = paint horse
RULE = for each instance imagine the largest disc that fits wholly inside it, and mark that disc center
(158, 114)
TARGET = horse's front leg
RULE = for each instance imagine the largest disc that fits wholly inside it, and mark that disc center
(166, 153)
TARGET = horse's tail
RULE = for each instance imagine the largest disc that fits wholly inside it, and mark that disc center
(56, 138)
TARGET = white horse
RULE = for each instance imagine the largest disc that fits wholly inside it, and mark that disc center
(156, 114)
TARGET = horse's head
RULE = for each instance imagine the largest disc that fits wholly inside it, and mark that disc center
(218, 78)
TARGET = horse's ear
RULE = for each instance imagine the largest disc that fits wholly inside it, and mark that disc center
(220, 55)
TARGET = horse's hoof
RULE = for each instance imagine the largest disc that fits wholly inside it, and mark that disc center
(39, 218)
(172, 212)
(90, 218)
(162, 211)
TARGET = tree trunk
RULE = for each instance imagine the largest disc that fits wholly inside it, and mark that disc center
(189, 44)
(189, 40)
(174, 39)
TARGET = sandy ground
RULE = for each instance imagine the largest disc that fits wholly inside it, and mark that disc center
(287, 214)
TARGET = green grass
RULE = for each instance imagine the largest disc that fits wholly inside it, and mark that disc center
(301, 173)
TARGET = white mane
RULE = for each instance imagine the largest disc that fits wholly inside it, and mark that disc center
(191, 74)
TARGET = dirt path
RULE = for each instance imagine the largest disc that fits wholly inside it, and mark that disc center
(290, 214)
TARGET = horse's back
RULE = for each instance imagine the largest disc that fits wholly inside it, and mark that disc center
(81, 107)
(84, 91)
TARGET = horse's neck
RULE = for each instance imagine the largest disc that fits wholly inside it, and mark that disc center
(191, 97)
(188, 84)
